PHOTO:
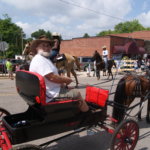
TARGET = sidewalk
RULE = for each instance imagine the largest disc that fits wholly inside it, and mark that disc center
(5, 76)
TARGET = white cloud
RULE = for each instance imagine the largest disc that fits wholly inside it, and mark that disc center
(144, 19)
(83, 16)
(27, 28)
(59, 19)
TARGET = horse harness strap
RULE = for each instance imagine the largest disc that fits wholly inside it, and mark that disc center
(60, 57)
(138, 90)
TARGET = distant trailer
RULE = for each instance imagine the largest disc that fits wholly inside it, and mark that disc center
(20, 57)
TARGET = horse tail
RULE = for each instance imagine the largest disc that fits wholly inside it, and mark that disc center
(77, 63)
(119, 98)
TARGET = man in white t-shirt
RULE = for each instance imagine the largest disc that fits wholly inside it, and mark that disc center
(42, 65)
(105, 56)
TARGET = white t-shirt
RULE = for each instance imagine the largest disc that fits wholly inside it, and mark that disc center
(105, 52)
(44, 66)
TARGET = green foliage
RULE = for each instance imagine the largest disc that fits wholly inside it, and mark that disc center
(41, 32)
(28, 40)
(124, 27)
(105, 32)
(48, 34)
(128, 26)
(86, 35)
(12, 34)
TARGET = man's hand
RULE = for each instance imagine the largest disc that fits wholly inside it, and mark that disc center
(58, 79)
(68, 80)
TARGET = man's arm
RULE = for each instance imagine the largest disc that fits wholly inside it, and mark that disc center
(58, 79)
(55, 44)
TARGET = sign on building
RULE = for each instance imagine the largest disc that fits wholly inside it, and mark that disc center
(4, 46)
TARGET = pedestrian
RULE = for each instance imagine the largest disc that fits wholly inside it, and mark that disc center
(142, 65)
(88, 69)
(94, 70)
(17, 67)
(56, 47)
(9, 68)
(105, 56)
(135, 65)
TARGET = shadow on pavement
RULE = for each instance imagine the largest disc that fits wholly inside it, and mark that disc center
(144, 124)
(99, 141)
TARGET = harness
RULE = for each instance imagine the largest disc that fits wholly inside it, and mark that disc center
(138, 89)
(60, 57)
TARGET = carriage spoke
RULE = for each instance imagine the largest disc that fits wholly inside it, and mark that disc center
(1, 114)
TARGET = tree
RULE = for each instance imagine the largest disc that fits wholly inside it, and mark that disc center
(41, 32)
(124, 27)
(128, 26)
(48, 34)
(86, 35)
(12, 34)
(105, 32)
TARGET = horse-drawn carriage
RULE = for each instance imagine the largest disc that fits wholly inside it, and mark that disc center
(46, 119)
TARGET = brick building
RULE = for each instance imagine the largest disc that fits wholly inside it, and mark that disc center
(114, 43)
(145, 35)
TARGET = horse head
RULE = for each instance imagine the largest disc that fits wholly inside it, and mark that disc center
(26, 50)
(97, 57)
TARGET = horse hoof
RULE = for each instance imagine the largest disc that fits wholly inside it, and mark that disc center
(98, 78)
(76, 86)
(148, 120)
(139, 119)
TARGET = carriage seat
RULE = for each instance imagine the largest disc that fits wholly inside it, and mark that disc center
(31, 87)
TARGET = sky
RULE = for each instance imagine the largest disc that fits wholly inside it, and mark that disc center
(74, 18)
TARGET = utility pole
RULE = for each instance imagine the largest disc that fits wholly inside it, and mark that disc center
(22, 41)
(0, 37)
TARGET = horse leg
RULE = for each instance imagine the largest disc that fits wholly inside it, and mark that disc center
(68, 73)
(108, 73)
(98, 74)
(111, 74)
(139, 115)
(75, 76)
(104, 72)
(148, 112)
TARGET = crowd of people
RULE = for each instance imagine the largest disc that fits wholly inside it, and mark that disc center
(141, 65)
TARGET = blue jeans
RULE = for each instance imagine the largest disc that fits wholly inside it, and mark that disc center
(106, 62)
(53, 54)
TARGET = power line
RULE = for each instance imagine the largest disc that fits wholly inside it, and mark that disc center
(96, 12)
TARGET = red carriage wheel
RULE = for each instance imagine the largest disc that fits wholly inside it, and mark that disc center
(3, 113)
(27, 147)
(125, 136)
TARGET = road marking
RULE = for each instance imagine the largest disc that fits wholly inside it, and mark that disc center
(7, 94)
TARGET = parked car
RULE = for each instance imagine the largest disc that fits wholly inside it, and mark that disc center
(84, 61)
(2, 66)
(15, 62)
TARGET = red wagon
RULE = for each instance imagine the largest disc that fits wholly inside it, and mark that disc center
(43, 119)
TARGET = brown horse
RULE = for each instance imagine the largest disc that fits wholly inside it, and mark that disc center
(130, 87)
(101, 66)
(66, 64)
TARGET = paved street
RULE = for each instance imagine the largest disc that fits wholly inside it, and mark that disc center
(10, 100)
